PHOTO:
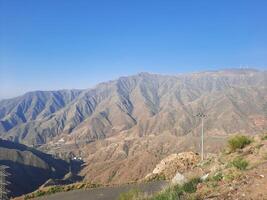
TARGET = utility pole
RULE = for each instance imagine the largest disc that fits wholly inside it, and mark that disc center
(3, 183)
(202, 116)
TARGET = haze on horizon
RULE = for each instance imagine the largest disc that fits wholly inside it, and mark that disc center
(63, 45)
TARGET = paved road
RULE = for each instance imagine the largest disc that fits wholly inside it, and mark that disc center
(107, 193)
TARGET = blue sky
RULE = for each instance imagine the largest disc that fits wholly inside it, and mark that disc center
(50, 44)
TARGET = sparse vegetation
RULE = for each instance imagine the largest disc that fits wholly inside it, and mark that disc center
(227, 172)
(157, 177)
(264, 137)
(133, 194)
(238, 142)
(240, 163)
(258, 146)
(58, 188)
(171, 193)
(232, 174)
(113, 174)
(176, 192)
(40, 193)
(191, 186)
(217, 177)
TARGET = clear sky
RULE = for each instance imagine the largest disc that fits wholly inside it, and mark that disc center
(55, 44)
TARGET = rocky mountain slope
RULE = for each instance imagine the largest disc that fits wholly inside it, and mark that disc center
(29, 168)
(234, 100)
(238, 172)
(122, 128)
(20, 113)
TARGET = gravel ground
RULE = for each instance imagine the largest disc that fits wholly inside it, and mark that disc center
(107, 193)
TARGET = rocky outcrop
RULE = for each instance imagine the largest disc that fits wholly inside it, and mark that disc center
(179, 179)
(174, 165)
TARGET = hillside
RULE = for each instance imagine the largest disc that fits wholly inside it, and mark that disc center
(122, 128)
(29, 168)
(238, 172)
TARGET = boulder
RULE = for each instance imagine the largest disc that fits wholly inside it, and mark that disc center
(181, 162)
(204, 177)
(178, 179)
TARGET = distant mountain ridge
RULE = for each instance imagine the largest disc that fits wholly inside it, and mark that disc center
(143, 104)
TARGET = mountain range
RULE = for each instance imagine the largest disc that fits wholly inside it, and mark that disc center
(137, 120)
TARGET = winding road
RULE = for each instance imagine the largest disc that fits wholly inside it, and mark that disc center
(105, 193)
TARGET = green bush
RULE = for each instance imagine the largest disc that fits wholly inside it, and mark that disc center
(40, 193)
(191, 186)
(169, 194)
(217, 177)
(264, 137)
(238, 142)
(240, 163)
(54, 189)
(176, 192)
(157, 177)
(232, 174)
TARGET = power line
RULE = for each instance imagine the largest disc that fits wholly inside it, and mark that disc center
(4, 183)
(202, 116)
